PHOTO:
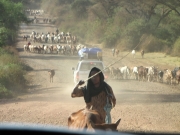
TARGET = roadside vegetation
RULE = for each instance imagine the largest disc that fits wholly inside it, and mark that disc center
(12, 73)
(11, 15)
(12, 69)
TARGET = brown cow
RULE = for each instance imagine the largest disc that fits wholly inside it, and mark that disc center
(178, 76)
(51, 48)
(73, 49)
(74, 39)
(114, 73)
(117, 52)
(51, 74)
(140, 73)
(145, 73)
(90, 120)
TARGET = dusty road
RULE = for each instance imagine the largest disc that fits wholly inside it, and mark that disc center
(142, 106)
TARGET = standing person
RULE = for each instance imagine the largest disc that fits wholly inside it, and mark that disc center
(29, 43)
(57, 31)
(97, 93)
(142, 53)
(113, 51)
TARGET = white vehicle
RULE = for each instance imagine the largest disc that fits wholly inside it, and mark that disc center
(81, 72)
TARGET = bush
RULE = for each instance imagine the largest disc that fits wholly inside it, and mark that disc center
(11, 73)
(11, 76)
(4, 93)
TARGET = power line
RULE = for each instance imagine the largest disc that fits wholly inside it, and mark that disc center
(115, 61)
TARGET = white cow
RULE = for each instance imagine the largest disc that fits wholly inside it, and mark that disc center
(26, 48)
(43, 37)
(125, 72)
(150, 73)
(135, 72)
(31, 48)
(57, 39)
(58, 48)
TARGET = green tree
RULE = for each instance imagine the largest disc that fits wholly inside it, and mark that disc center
(120, 22)
(11, 15)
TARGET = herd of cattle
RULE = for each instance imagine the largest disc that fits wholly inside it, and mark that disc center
(68, 46)
(34, 11)
(141, 73)
(50, 49)
(54, 37)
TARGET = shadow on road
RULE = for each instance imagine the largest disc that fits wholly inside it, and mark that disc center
(24, 33)
(124, 98)
(32, 28)
(143, 98)
(21, 49)
(50, 94)
(40, 25)
(50, 57)
(46, 90)
(37, 70)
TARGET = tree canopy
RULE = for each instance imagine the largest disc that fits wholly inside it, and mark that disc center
(11, 15)
(120, 23)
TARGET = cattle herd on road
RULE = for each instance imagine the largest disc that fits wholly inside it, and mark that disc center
(60, 42)
(150, 74)
(68, 42)
(53, 49)
(54, 37)
(34, 11)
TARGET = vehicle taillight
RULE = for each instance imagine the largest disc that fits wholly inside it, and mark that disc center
(77, 75)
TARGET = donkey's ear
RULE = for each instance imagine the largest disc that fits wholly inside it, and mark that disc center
(117, 122)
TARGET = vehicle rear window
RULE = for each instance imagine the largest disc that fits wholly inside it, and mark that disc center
(89, 65)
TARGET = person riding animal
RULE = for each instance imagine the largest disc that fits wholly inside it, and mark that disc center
(97, 94)
(29, 43)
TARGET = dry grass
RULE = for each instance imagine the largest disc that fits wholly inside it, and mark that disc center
(159, 59)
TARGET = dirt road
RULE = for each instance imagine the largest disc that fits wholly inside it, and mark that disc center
(142, 106)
